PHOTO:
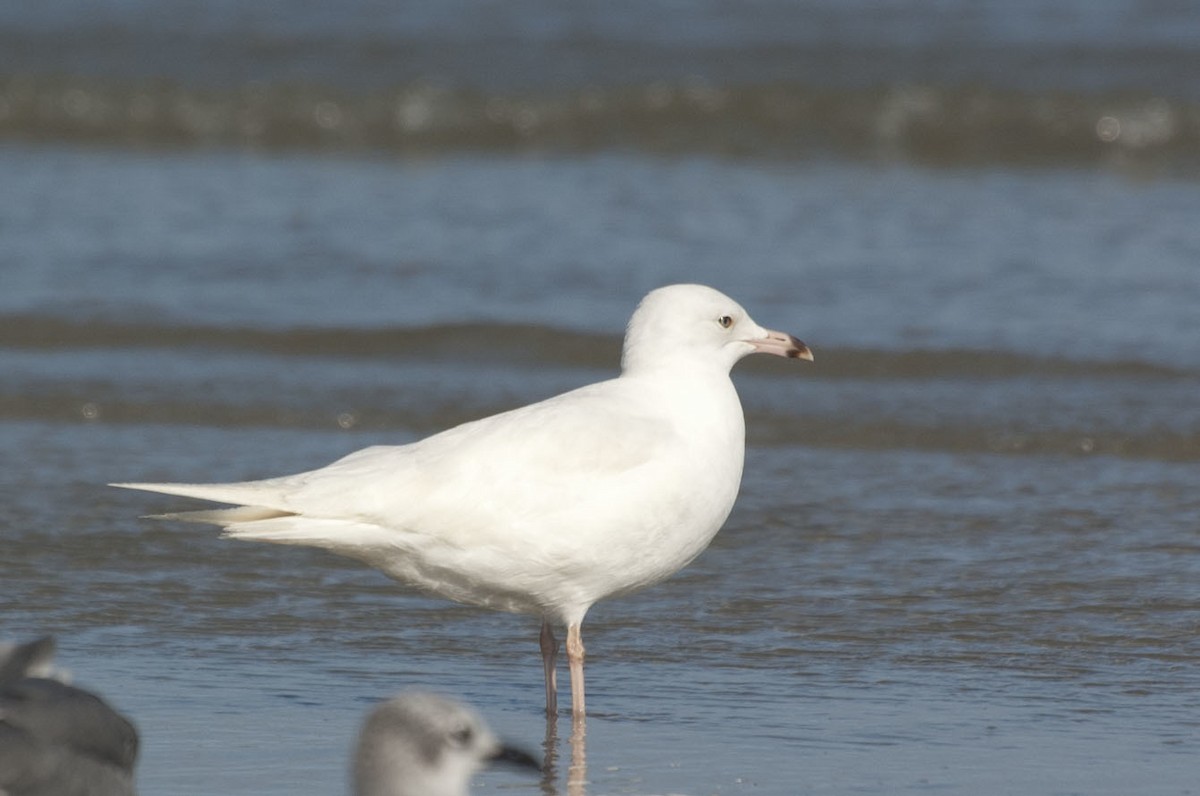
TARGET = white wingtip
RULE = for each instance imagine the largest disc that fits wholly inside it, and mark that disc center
(250, 493)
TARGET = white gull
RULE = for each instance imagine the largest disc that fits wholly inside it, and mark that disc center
(550, 507)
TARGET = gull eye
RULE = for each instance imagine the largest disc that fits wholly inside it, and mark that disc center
(726, 321)
(462, 736)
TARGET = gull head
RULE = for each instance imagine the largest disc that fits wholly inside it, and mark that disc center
(419, 744)
(694, 324)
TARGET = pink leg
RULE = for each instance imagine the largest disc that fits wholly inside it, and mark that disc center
(575, 660)
(549, 660)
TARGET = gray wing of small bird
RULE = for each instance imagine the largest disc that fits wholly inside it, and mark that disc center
(56, 739)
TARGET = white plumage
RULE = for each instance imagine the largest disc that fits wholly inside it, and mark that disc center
(547, 508)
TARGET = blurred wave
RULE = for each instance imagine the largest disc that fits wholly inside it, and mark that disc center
(61, 370)
(498, 341)
(922, 122)
(389, 424)
(539, 345)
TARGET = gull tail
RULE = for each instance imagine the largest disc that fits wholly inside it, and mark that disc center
(259, 518)
(223, 517)
(339, 536)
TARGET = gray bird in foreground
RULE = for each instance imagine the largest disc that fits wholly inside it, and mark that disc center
(55, 739)
(419, 744)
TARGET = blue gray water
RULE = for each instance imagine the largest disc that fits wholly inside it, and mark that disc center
(966, 557)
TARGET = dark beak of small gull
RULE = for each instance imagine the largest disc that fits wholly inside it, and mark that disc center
(782, 345)
(518, 758)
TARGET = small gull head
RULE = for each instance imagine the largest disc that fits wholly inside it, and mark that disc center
(695, 324)
(419, 744)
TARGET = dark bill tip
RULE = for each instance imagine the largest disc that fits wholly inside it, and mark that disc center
(782, 344)
(518, 758)
(799, 350)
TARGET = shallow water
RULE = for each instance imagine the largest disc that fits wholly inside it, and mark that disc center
(966, 556)
(869, 621)
(964, 560)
